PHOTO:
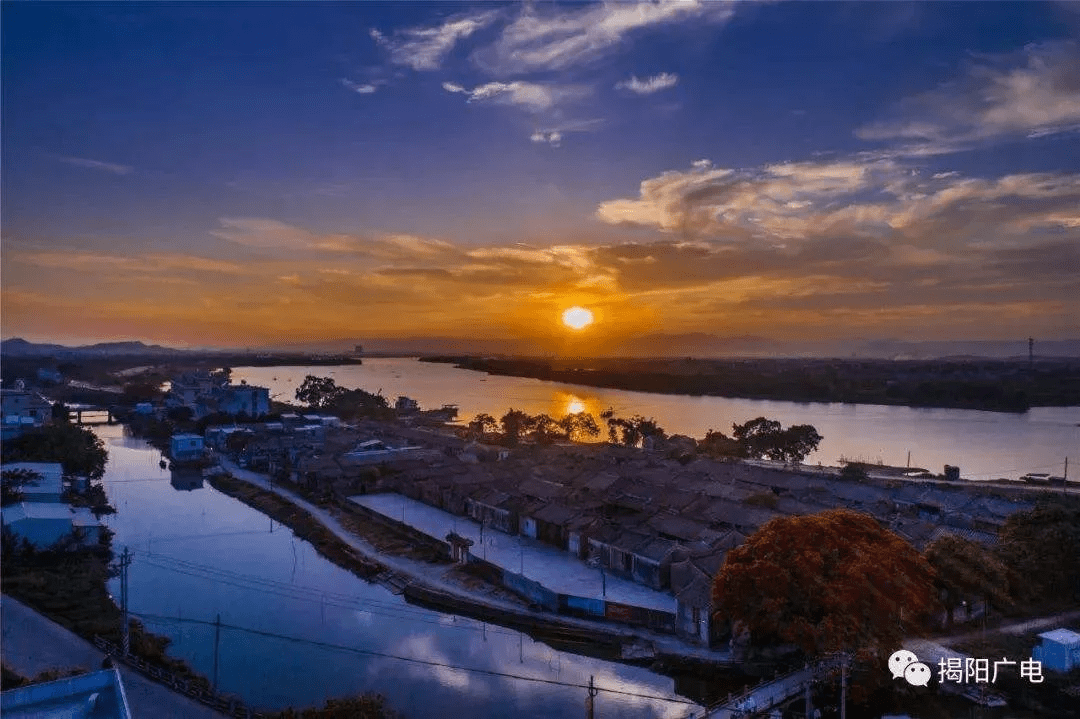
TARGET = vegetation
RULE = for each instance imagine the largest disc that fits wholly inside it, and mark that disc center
(631, 432)
(11, 483)
(988, 384)
(833, 581)
(1041, 545)
(365, 706)
(763, 438)
(516, 427)
(322, 393)
(79, 450)
(967, 570)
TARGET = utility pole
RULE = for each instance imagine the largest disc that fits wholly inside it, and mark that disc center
(590, 700)
(1031, 352)
(843, 686)
(217, 639)
(125, 561)
(1065, 479)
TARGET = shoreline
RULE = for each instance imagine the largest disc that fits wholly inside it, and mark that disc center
(1001, 386)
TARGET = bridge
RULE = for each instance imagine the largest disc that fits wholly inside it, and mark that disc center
(76, 411)
(764, 697)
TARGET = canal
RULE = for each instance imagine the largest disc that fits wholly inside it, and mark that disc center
(297, 629)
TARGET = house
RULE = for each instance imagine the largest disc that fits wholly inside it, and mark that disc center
(693, 610)
(22, 410)
(49, 488)
(43, 524)
(186, 447)
(406, 405)
(490, 508)
(1059, 650)
(243, 399)
(97, 695)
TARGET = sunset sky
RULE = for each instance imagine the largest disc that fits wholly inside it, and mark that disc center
(243, 174)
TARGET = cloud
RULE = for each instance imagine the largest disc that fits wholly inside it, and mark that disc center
(361, 89)
(531, 96)
(649, 85)
(267, 234)
(98, 165)
(1034, 92)
(557, 41)
(425, 48)
(551, 137)
(142, 264)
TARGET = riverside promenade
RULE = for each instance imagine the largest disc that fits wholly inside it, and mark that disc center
(432, 576)
(555, 569)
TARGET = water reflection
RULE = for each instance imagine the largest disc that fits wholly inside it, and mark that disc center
(185, 480)
(298, 630)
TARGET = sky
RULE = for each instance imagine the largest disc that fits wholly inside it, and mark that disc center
(231, 174)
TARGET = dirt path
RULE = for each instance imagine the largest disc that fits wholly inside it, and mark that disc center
(33, 643)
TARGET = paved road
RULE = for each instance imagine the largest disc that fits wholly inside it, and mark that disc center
(432, 575)
(1051, 622)
(33, 643)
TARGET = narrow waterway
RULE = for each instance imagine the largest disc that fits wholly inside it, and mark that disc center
(985, 445)
(298, 630)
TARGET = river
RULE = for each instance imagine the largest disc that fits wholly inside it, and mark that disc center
(299, 630)
(985, 445)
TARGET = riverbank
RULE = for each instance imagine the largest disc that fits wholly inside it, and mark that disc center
(440, 587)
(991, 385)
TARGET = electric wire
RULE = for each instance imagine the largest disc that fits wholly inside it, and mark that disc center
(427, 662)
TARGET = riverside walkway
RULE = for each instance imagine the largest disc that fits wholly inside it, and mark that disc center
(557, 570)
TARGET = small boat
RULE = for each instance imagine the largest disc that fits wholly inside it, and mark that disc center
(163, 464)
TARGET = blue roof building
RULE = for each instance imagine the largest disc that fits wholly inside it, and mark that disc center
(1059, 651)
(99, 695)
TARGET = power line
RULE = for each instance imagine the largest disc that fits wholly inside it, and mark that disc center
(427, 662)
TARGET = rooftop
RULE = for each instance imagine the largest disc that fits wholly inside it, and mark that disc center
(99, 695)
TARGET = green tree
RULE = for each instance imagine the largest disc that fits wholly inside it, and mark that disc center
(757, 436)
(79, 450)
(719, 445)
(515, 424)
(483, 424)
(365, 706)
(631, 432)
(833, 581)
(967, 570)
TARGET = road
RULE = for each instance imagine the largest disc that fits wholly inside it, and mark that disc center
(1049, 622)
(33, 643)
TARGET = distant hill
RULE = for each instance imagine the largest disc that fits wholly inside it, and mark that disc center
(18, 347)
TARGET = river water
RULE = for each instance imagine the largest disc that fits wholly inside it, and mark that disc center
(298, 630)
(985, 445)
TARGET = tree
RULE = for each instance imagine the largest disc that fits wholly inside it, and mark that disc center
(318, 392)
(579, 425)
(763, 438)
(718, 444)
(1041, 545)
(833, 581)
(355, 403)
(515, 424)
(631, 432)
(11, 483)
(967, 570)
(79, 450)
(483, 424)
(364, 706)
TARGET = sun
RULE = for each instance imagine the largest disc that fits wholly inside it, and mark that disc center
(577, 318)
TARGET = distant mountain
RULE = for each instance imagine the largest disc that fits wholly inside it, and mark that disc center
(18, 347)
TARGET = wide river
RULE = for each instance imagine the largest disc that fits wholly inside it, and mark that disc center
(985, 445)
(299, 630)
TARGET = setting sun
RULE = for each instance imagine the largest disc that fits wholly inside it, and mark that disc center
(577, 318)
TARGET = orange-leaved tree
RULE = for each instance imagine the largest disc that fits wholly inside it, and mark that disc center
(827, 582)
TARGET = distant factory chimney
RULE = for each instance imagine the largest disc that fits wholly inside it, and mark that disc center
(358, 349)
(1031, 351)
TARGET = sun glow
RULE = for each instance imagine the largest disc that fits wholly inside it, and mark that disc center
(577, 318)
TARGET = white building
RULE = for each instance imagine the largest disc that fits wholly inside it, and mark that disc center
(21, 409)
(49, 488)
(44, 524)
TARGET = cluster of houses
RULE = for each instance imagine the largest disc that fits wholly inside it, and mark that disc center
(43, 518)
(206, 393)
(663, 523)
(22, 409)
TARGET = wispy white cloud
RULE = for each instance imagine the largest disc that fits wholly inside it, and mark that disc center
(556, 41)
(551, 137)
(1034, 92)
(425, 48)
(531, 96)
(649, 85)
(99, 165)
(359, 88)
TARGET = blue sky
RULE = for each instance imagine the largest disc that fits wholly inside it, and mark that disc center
(195, 172)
